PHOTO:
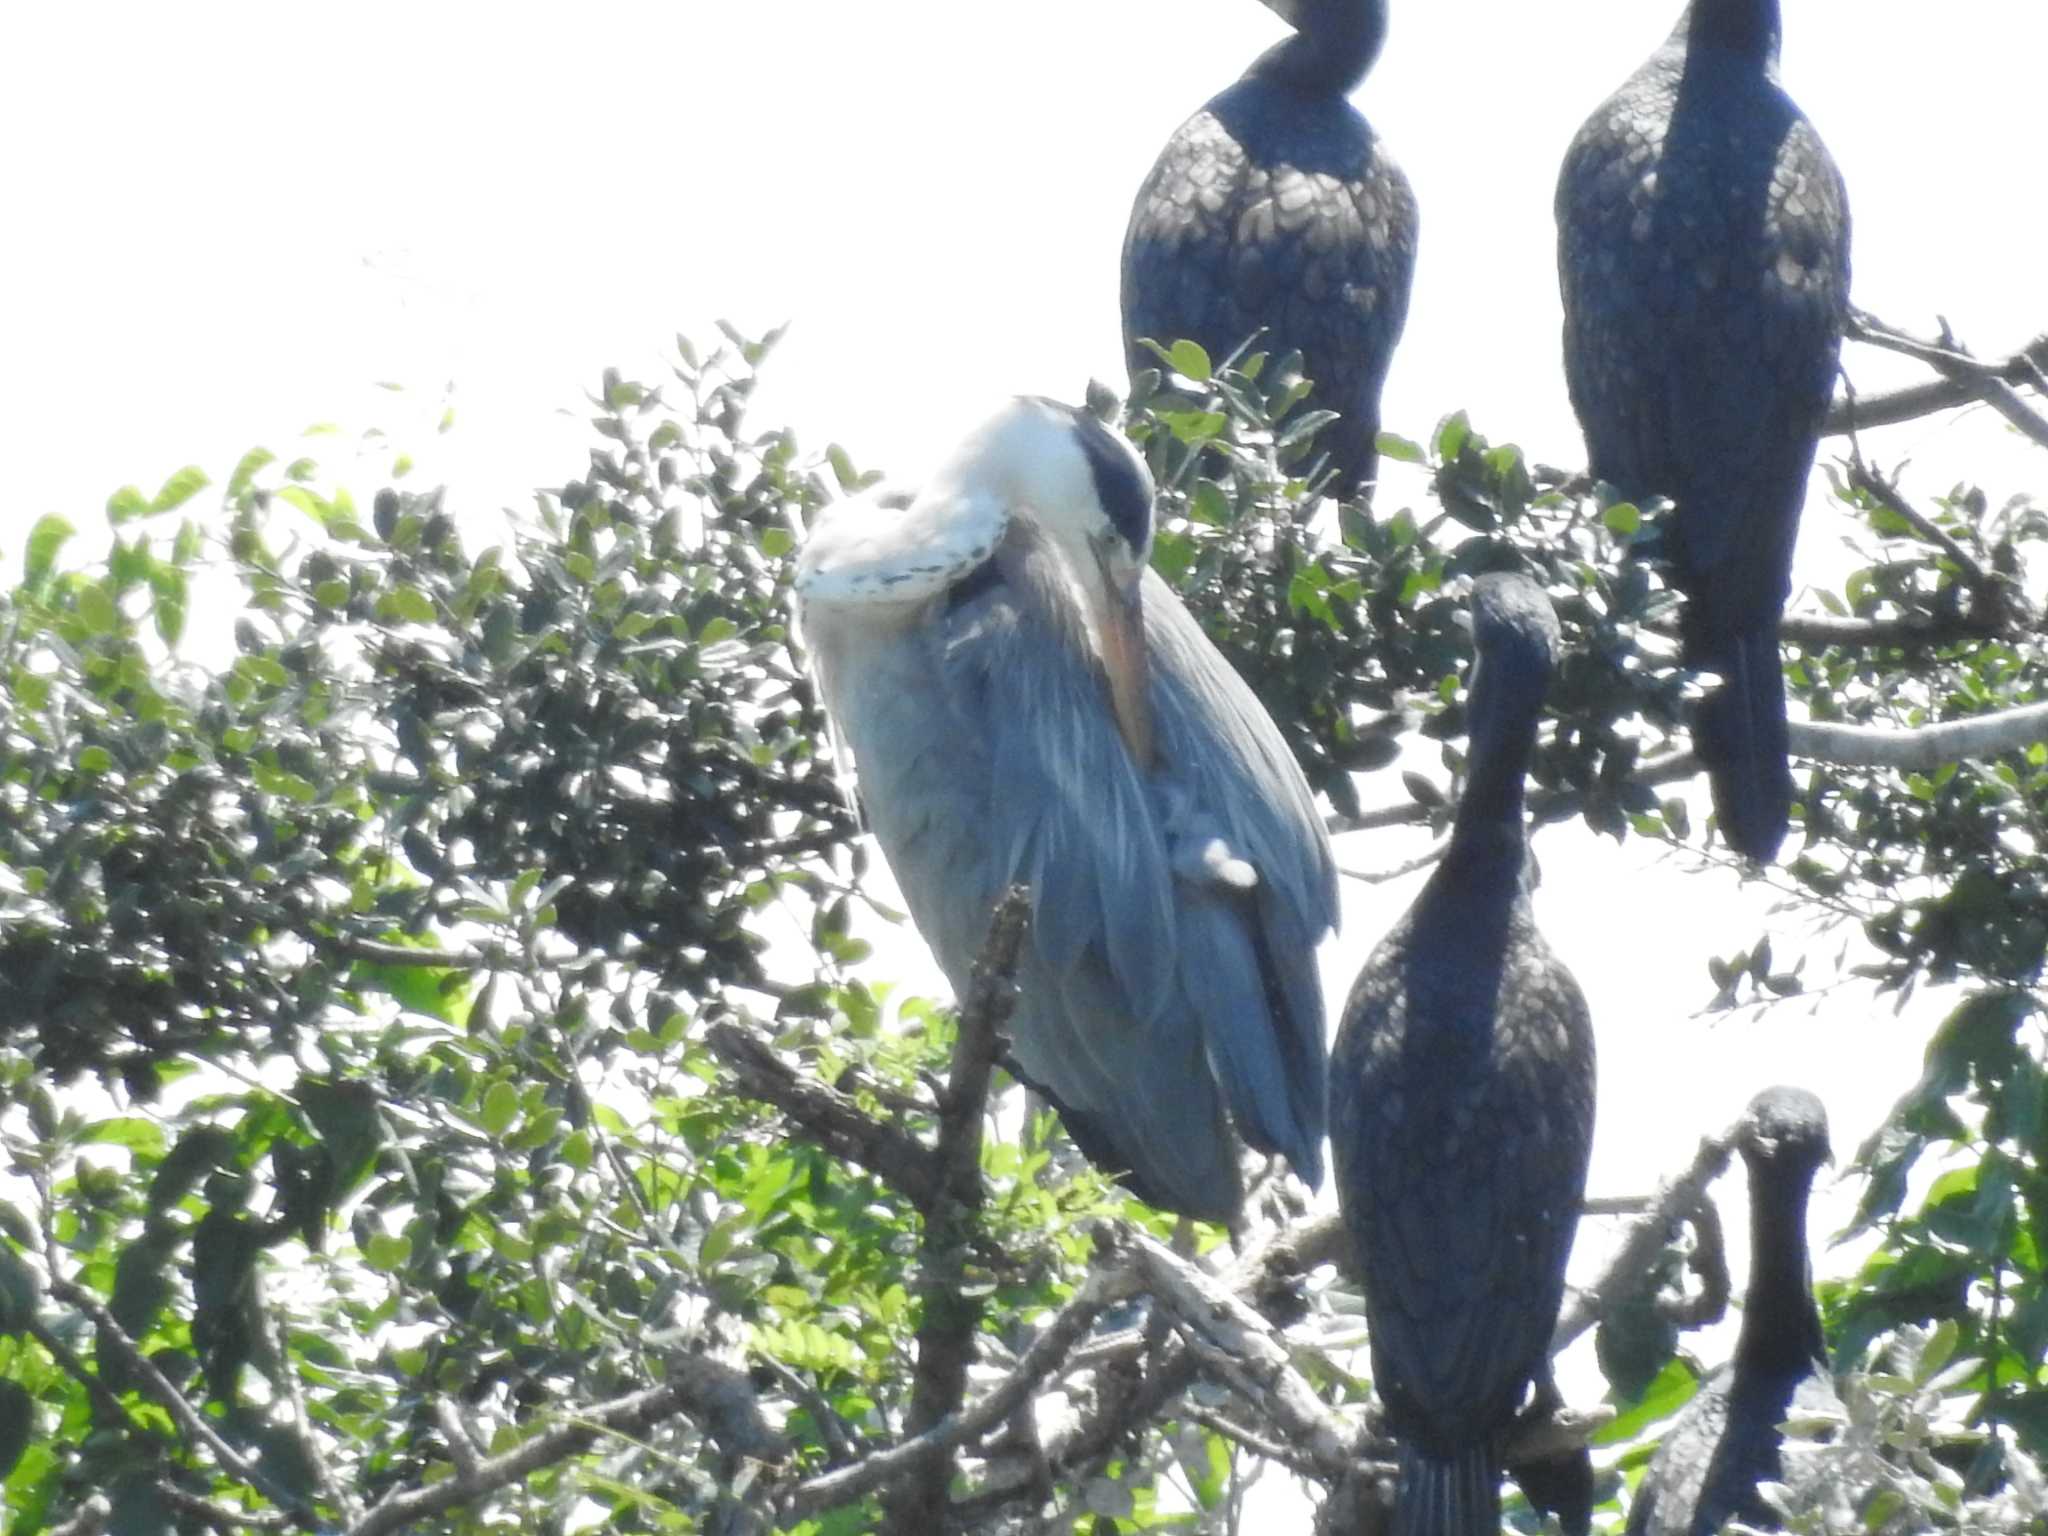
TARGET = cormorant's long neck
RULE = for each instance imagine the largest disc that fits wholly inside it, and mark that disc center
(1748, 28)
(1780, 1323)
(1332, 48)
(1506, 703)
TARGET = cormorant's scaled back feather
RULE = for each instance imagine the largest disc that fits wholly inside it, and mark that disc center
(1461, 1112)
(1703, 253)
(1276, 208)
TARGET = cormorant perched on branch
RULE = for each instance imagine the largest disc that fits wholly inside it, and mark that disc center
(1461, 1112)
(1703, 249)
(1275, 206)
(1727, 1440)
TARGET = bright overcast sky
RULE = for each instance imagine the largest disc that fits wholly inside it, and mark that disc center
(226, 222)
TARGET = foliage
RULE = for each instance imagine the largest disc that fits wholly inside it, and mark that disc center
(373, 1035)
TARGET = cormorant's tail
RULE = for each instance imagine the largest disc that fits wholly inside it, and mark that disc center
(1739, 733)
(1456, 1497)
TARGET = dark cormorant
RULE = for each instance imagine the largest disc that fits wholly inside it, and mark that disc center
(1275, 206)
(1461, 1112)
(1727, 1440)
(1703, 249)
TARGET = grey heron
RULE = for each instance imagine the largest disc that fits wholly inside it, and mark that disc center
(1025, 701)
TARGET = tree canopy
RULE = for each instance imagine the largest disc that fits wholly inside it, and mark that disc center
(444, 1088)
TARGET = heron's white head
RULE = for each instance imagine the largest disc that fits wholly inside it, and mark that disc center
(1089, 493)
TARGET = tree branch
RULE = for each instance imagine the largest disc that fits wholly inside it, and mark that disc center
(1963, 380)
(1919, 748)
(1990, 382)
(1914, 629)
(1239, 1342)
(91, 1519)
(1981, 582)
(1105, 1286)
(191, 1422)
(715, 1395)
(1675, 1199)
(951, 1315)
(829, 1117)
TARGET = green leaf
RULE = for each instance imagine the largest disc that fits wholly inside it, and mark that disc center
(1669, 1390)
(179, 489)
(1190, 360)
(1623, 519)
(1400, 449)
(500, 1108)
(125, 505)
(95, 760)
(44, 540)
(406, 605)
(246, 470)
(97, 608)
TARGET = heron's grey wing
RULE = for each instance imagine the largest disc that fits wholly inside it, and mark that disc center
(1247, 956)
(1102, 1025)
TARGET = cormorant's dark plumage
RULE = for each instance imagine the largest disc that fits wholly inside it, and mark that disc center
(1703, 249)
(1461, 1112)
(1275, 206)
(1727, 1440)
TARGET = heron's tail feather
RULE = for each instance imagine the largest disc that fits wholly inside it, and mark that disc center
(1455, 1497)
(1739, 733)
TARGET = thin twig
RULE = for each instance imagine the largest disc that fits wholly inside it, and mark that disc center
(1983, 381)
(1963, 380)
(716, 1395)
(1980, 581)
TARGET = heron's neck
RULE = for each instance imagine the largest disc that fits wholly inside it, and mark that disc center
(1331, 50)
(1746, 28)
(1780, 1323)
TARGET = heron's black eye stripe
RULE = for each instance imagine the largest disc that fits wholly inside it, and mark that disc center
(1121, 483)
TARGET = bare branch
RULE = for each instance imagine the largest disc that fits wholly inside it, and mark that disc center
(1990, 382)
(715, 1395)
(222, 1517)
(1107, 1285)
(455, 1435)
(951, 1313)
(191, 1422)
(1919, 748)
(1906, 629)
(91, 1519)
(1964, 379)
(1675, 1198)
(1241, 1345)
(828, 1117)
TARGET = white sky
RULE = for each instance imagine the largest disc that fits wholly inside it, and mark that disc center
(226, 222)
